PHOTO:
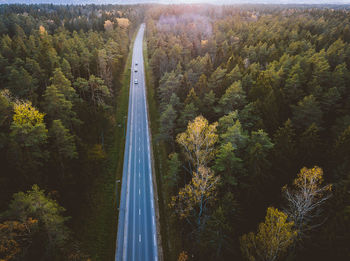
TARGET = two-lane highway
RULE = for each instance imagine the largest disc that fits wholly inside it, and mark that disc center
(136, 226)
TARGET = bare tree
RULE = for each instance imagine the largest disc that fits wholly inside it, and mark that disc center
(305, 199)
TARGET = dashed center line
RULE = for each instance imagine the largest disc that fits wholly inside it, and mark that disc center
(138, 102)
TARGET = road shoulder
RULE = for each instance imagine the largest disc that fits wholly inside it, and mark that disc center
(154, 177)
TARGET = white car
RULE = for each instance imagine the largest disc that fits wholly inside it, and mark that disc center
(135, 70)
(136, 63)
(136, 81)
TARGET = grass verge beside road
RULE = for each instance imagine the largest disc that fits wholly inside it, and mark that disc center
(100, 230)
(169, 233)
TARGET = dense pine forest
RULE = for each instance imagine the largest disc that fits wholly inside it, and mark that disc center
(254, 107)
(60, 73)
(250, 117)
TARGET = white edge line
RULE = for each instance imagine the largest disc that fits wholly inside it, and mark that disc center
(150, 171)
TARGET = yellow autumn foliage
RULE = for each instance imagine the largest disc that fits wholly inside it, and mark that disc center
(272, 240)
(198, 141)
(123, 22)
(305, 199)
(200, 190)
(310, 179)
(183, 256)
(42, 30)
(26, 114)
(108, 25)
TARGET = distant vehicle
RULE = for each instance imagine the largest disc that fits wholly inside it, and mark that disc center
(136, 63)
(135, 70)
(136, 81)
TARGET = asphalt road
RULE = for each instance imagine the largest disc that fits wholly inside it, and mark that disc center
(136, 238)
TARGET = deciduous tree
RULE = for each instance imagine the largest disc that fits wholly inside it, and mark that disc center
(15, 237)
(305, 199)
(272, 240)
(193, 199)
(198, 141)
(29, 133)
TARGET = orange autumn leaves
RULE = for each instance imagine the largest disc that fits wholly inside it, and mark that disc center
(13, 235)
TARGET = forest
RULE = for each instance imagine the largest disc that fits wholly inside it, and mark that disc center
(60, 74)
(250, 120)
(254, 120)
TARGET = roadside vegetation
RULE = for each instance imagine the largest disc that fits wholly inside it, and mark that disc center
(249, 112)
(169, 234)
(252, 123)
(63, 98)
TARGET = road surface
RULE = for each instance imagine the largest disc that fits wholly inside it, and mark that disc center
(136, 238)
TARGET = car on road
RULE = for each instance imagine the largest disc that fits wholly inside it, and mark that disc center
(136, 81)
(135, 70)
(136, 63)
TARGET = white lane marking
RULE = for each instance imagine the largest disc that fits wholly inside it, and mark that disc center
(130, 133)
(139, 161)
(139, 192)
(150, 178)
(153, 220)
(139, 211)
(139, 237)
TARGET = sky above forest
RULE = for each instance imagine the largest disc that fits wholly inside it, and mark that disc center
(176, 1)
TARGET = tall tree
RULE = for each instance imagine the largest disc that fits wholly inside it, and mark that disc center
(57, 106)
(53, 233)
(307, 112)
(63, 84)
(194, 198)
(172, 176)
(29, 134)
(198, 141)
(234, 98)
(272, 240)
(167, 124)
(305, 200)
(63, 143)
(285, 151)
(228, 164)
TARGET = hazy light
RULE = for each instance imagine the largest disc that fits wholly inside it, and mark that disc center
(177, 1)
